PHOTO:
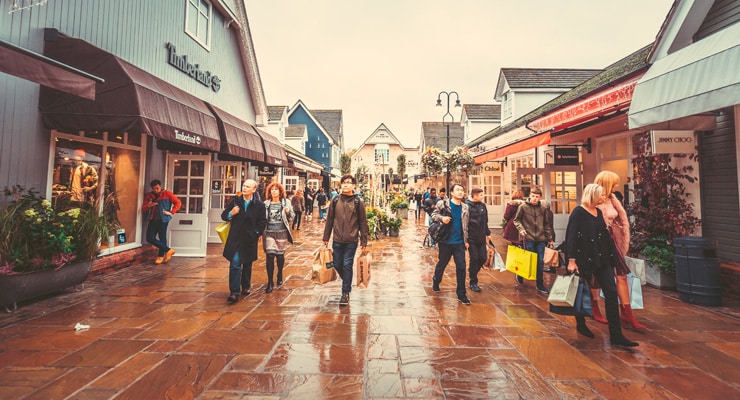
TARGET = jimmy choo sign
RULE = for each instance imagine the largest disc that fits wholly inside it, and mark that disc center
(183, 64)
(673, 142)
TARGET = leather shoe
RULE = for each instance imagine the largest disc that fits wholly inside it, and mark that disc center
(232, 299)
(435, 286)
(246, 292)
(623, 341)
(543, 289)
(474, 287)
(159, 260)
(269, 287)
(168, 255)
(583, 330)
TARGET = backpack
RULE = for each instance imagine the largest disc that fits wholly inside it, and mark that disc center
(438, 230)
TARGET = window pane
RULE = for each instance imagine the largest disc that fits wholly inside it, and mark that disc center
(181, 168)
(122, 192)
(192, 21)
(197, 168)
(196, 187)
(180, 186)
(76, 175)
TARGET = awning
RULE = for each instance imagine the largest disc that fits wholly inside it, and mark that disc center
(130, 100)
(516, 147)
(238, 137)
(701, 77)
(274, 150)
(35, 67)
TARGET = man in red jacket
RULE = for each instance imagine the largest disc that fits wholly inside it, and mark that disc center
(160, 205)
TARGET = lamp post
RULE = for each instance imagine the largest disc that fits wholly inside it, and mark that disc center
(452, 119)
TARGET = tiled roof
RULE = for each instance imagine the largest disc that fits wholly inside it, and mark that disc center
(435, 135)
(276, 112)
(525, 78)
(613, 73)
(295, 131)
(483, 111)
(331, 120)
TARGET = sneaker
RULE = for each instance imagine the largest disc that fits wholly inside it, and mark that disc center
(168, 255)
(344, 300)
(464, 300)
(543, 289)
(435, 286)
(159, 260)
(519, 280)
(474, 287)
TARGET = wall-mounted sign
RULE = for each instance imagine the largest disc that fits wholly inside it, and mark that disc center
(492, 167)
(193, 70)
(673, 142)
(187, 137)
(216, 187)
(266, 170)
(566, 156)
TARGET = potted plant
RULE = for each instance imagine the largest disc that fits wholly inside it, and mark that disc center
(400, 206)
(394, 224)
(661, 209)
(43, 249)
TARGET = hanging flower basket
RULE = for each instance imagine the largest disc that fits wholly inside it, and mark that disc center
(460, 159)
(433, 160)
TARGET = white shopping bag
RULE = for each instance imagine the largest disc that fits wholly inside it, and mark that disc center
(563, 291)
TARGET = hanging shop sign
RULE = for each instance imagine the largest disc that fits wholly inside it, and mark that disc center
(492, 167)
(266, 170)
(181, 62)
(673, 142)
(566, 156)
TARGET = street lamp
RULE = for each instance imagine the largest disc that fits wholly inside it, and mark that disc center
(452, 119)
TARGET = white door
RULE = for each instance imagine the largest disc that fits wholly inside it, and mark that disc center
(493, 196)
(561, 188)
(226, 181)
(188, 176)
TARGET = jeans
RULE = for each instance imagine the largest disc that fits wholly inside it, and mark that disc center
(238, 275)
(478, 254)
(429, 223)
(156, 234)
(344, 258)
(539, 248)
(297, 219)
(322, 213)
(456, 252)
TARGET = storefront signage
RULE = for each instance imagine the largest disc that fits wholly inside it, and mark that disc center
(266, 170)
(566, 156)
(673, 142)
(181, 62)
(216, 187)
(187, 137)
(492, 167)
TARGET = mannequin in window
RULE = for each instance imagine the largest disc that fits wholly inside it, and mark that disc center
(83, 179)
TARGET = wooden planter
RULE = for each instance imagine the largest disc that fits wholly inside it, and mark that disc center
(659, 279)
(15, 288)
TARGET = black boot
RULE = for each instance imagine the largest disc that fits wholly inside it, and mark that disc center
(582, 328)
(270, 272)
(622, 341)
(280, 265)
(246, 278)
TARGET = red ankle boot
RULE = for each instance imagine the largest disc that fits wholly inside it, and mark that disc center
(629, 320)
(596, 311)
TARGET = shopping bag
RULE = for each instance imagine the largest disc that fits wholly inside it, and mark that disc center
(319, 273)
(563, 290)
(490, 255)
(498, 263)
(635, 289)
(363, 270)
(521, 262)
(327, 257)
(581, 305)
(637, 267)
(223, 231)
(551, 258)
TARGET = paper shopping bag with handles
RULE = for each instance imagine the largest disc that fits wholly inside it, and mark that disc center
(521, 262)
(223, 231)
(319, 273)
(563, 291)
(363, 270)
(551, 258)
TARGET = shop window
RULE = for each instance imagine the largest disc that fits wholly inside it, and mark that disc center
(225, 183)
(198, 21)
(291, 184)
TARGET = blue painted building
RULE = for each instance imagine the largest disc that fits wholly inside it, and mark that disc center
(324, 129)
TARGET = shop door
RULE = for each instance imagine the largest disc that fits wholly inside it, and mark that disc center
(493, 196)
(226, 181)
(561, 188)
(187, 174)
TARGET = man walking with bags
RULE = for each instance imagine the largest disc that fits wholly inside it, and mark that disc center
(453, 212)
(535, 227)
(478, 233)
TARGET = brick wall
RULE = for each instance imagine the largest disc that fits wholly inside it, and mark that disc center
(145, 254)
(730, 275)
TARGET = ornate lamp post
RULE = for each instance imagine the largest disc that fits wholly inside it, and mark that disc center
(452, 119)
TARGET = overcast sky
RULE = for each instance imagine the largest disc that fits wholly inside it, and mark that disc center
(385, 61)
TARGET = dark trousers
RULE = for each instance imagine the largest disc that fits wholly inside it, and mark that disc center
(156, 234)
(297, 219)
(539, 248)
(344, 258)
(605, 277)
(478, 254)
(239, 273)
(456, 252)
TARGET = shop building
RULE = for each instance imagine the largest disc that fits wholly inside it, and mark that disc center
(378, 154)
(175, 95)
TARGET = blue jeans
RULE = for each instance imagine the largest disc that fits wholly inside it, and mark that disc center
(456, 252)
(344, 258)
(156, 234)
(322, 213)
(539, 248)
(239, 276)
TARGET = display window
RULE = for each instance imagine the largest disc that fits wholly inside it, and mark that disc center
(99, 169)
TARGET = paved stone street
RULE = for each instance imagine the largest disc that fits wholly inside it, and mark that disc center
(166, 331)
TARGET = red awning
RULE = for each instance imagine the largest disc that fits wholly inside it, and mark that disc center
(238, 137)
(274, 150)
(26, 64)
(516, 147)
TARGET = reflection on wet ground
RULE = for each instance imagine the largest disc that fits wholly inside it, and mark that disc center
(166, 331)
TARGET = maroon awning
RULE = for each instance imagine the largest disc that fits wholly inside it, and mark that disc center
(238, 137)
(26, 64)
(130, 100)
(274, 150)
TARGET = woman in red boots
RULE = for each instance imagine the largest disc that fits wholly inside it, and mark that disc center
(619, 229)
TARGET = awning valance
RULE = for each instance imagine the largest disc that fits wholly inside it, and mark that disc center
(238, 137)
(274, 150)
(130, 100)
(701, 77)
(516, 147)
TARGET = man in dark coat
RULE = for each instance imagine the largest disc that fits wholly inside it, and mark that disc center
(248, 221)
(478, 233)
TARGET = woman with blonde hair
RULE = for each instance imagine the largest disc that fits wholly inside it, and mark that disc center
(277, 234)
(619, 229)
(591, 254)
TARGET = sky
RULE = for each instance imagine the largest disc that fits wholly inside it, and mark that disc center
(386, 61)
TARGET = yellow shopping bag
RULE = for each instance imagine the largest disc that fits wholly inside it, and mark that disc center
(223, 231)
(521, 262)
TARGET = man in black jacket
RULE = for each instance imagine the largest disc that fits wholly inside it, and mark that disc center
(478, 232)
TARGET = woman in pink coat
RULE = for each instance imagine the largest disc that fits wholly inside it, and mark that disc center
(619, 228)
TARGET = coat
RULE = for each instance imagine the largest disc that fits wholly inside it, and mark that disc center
(617, 222)
(286, 218)
(533, 219)
(510, 232)
(445, 203)
(477, 222)
(298, 203)
(246, 228)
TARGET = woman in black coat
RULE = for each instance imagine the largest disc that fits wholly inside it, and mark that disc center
(248, 221)
(591, 254)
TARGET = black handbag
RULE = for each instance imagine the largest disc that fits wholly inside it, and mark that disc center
(438, 230)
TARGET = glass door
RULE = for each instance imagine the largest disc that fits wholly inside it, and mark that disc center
(187, 176)
(226, 181)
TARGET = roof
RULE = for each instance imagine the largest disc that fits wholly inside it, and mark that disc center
(295, 131)
(523, 78)
(482, 111)
(331, 120)
(435, 135)
(276, 112)
(625, 67)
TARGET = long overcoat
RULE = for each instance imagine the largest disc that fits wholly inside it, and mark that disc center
(246, 228)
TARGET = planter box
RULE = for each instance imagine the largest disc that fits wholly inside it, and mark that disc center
(15, 288)
(403, 213)
(392, 233)
(659, 279)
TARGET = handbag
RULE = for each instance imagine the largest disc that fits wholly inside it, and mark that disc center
(319, 273)
(521, 262)
(581, 305)
(363, 270)
(551, 258)
(223, 231)
(498, 263)
(439, 231)
(635, 289)
(637, 267)
(563, 290)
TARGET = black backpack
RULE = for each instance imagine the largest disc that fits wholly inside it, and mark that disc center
(438, 230)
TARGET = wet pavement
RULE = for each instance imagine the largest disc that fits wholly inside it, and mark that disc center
(166, 331)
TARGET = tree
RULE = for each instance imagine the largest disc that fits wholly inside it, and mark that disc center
(361, 174)
(401, 159)
(345, 164)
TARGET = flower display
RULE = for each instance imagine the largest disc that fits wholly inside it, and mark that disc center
(460, 158)
(433, 160)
